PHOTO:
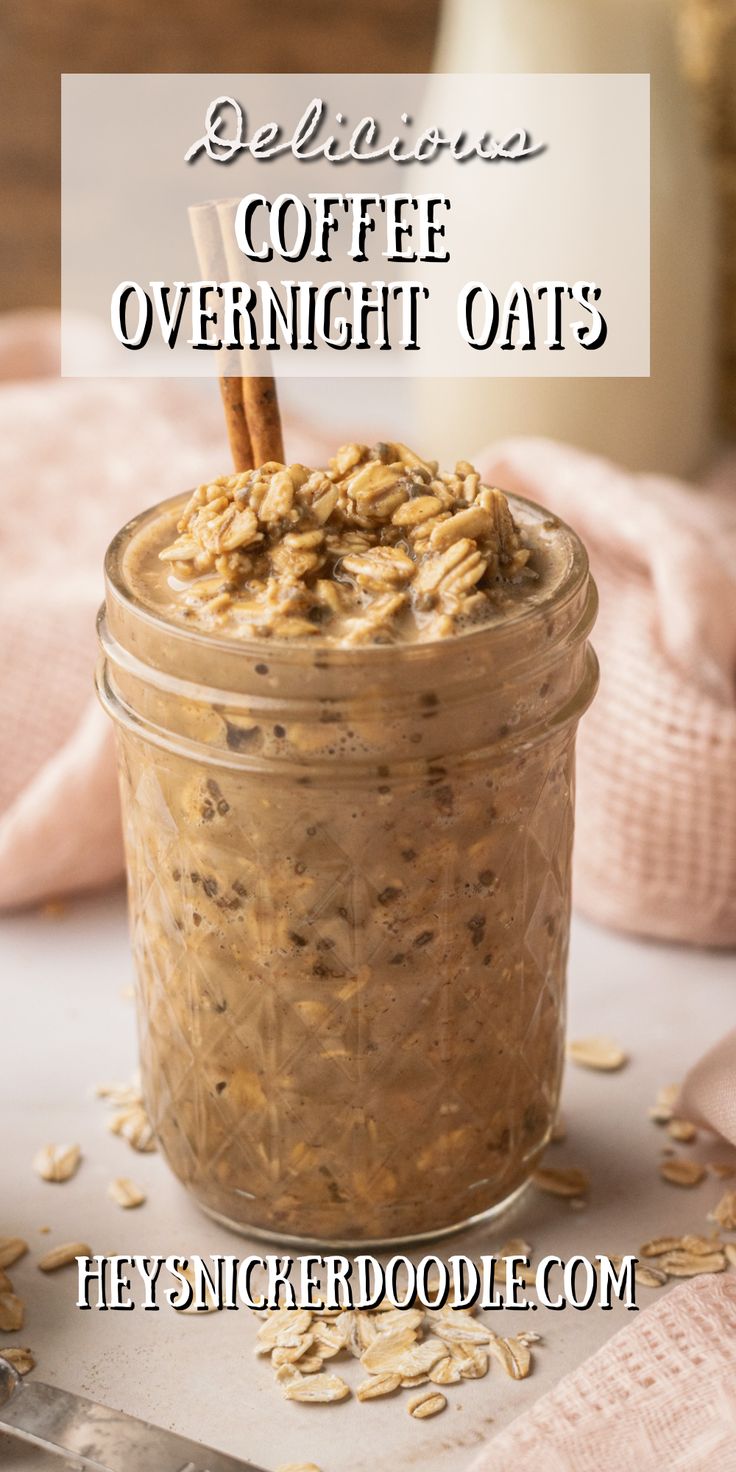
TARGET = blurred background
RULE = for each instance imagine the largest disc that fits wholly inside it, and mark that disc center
(668, 423)
(40, 41)
(644, 468)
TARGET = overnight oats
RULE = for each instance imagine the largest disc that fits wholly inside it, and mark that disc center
(346, 705)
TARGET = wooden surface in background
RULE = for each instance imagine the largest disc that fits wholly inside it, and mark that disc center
(40, 39)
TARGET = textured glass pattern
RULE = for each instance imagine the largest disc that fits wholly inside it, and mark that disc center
(351, 996)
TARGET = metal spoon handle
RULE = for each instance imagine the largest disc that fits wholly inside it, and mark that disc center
(95, 1437)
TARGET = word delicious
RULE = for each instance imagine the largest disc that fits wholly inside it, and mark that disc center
(363, 146)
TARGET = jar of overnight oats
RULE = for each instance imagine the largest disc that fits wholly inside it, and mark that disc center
(346, 706)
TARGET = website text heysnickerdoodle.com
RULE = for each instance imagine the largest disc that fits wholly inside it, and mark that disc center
(317, 1282)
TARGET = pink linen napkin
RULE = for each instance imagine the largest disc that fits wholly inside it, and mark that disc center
(78, 458)
(656, 805)
(659, 1397)
(708, 1095)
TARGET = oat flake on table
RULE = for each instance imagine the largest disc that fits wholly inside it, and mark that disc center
(57, 1162)
(682, 1172)
(11, 1248)
(599, 1054)
(567, 1181)
(63, 1255)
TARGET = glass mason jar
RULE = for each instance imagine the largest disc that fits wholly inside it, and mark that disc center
(349, 881)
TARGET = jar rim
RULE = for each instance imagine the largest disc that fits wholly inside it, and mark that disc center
(335, 656)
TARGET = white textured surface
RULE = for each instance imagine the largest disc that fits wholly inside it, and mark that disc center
(66, 1027)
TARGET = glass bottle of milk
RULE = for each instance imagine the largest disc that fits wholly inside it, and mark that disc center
(664, 422)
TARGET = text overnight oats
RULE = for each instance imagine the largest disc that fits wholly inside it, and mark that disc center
(346, 704)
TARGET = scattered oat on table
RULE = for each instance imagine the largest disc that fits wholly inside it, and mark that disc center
(725, 1212)
(683, 1257)
(12, 1311)
(513, 1355)
(683, 1264)
(690, 1242)
(283, 1321)
(723, 1170)
(57, 1162)
(566, 1181)
(600, 1054)
(402, 1354)
(428, 1404)
(298, 1467)
(446, 1372)
(130, 1119)
(63, 1255)
(134, 1126)
(649, 1277)
(315, 1388)
(682, 1130)
(472, 1359)
(120, 1094)
(701, 1246)
(300, 1348)
(378, 1385)
(456, 1327)
(22, 1359)
(125, 1193)
(11, 1248)
(657, 1246)
(682, 1172)
(646, 1275)
(399, 1349)
(663, 1108)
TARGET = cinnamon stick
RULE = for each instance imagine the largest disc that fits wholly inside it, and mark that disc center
(260, 399)
(211, 227)
(241, 446)
(261, 405)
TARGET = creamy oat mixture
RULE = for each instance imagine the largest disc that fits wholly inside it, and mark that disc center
(378, 548)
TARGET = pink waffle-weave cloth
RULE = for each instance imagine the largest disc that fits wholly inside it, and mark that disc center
(660, 1396)
(655, 846)
(78, 458)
